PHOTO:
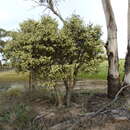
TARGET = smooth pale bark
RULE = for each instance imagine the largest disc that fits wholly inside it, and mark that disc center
(112, 50)
(127, 60)
(50, 4)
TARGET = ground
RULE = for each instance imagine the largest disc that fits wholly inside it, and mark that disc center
(38, 108)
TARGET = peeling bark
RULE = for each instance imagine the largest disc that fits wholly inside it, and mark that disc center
(127, 59)
(112, 50)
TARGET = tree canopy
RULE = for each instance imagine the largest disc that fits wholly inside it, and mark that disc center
(53, 54)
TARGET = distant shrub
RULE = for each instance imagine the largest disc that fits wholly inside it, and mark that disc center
(14, 92)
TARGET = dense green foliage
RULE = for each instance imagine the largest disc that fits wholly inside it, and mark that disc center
(40, 44)
(29, 48)
(52, 54)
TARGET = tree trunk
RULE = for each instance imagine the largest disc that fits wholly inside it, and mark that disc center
(69, 85)
(59, 101)
(127, 59)
(32, 80)
(112, 50)
(68, 96)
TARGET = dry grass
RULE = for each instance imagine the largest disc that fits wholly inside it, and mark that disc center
(12, 76)
(16, 105)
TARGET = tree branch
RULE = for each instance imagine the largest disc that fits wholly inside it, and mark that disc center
(49, 4)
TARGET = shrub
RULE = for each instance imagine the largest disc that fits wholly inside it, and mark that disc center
(17, 116)
(14, 92)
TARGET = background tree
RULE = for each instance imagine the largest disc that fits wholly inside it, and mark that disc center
(3, 35)
(112, 50)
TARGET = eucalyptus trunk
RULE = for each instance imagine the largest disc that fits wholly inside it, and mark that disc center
(127, 59)
(112, 50)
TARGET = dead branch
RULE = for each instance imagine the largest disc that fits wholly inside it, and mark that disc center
(93, 114)
(90, 115)
(50, 4)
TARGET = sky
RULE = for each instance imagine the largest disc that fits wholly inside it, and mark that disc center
(14, 12)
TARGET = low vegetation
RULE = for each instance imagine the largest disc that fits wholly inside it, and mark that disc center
(37, 110)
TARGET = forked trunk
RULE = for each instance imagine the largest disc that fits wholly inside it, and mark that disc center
(127, 60)
(112, 50)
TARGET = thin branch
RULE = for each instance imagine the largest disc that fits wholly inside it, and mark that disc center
(93, 114)
(51, 7)
(50, 4)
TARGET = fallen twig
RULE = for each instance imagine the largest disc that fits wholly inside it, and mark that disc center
(93, 114)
